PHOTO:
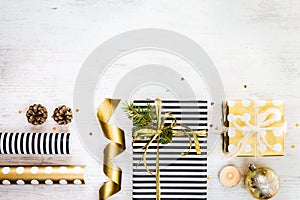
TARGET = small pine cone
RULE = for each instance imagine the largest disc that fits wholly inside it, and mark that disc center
(63, 115)
(36, 114)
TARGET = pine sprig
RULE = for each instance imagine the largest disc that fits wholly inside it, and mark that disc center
(146, 117)
(166, 136)
(140, 117)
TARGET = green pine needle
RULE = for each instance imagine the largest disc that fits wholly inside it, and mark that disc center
(140, 117)
(166, 136)
(146, 117)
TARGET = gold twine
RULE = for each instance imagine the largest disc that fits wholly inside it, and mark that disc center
(117, 146)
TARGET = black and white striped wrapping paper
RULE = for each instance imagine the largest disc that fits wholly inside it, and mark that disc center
(35, 143)
(181, 177)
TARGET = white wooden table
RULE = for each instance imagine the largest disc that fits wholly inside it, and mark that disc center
(44, 43)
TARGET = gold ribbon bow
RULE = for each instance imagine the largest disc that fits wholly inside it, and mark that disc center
(156, 133)
(117, 146)
(261, 125)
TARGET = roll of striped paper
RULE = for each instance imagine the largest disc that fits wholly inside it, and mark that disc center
(52, 174)
(181, 177)
(35, 143)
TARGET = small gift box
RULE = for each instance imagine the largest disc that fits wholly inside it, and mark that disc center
(169, 171)
(254, 128)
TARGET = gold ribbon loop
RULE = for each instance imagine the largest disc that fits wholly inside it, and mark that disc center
(117, 146)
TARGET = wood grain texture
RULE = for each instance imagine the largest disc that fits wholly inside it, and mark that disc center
(44, 43)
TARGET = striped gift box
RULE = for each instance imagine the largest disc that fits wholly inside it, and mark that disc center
(34, 143)
(181, 177)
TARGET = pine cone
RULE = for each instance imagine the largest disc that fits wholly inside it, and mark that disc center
(63, 115)
(36, 114)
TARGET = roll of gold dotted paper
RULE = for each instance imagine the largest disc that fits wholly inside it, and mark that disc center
(46, 174)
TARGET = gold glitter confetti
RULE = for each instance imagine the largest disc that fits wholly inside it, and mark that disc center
(20, 111)
(293, 146)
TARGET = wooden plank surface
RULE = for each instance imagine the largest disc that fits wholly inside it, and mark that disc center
(43, 44)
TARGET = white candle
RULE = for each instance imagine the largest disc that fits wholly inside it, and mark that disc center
(230, 176)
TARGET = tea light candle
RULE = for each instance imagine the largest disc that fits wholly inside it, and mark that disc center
(230, 176)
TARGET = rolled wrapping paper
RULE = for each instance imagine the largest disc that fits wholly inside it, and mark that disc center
(35, 143)
(52, 174)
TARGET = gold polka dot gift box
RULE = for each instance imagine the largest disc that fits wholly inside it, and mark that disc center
(254, 128)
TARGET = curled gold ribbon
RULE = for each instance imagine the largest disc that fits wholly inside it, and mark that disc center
(117, 146)
(155, 134)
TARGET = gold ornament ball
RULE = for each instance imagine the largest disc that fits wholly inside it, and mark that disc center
(262, 183)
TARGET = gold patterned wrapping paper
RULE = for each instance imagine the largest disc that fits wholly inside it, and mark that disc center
(254, 128)
(48, 174)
